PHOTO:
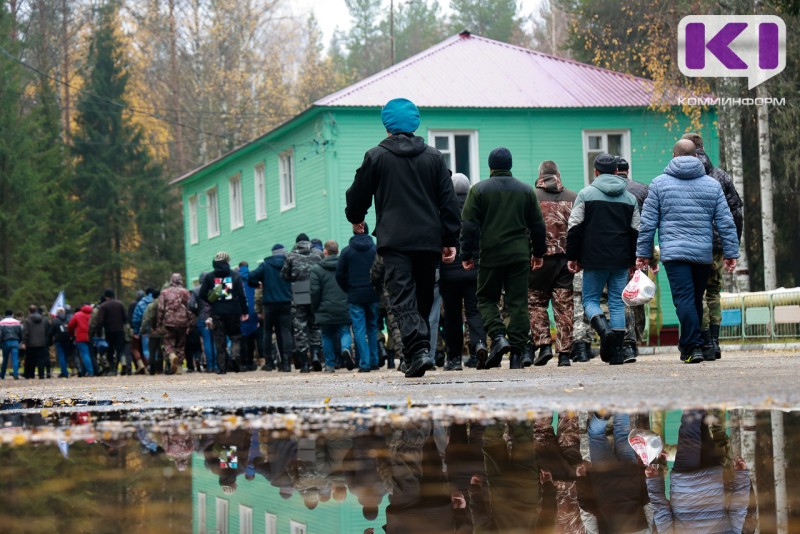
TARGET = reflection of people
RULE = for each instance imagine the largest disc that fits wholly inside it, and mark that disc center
(613, 488)
(698, 501)
(223, 454)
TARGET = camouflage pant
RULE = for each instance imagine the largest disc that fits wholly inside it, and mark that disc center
(634, 324)
(395, 341)
(224, 327)
(305, 329)
(581, 329)
(562, 312)
(712, 309)
(175, 342)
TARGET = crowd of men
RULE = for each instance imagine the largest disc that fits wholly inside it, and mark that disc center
(490, 257)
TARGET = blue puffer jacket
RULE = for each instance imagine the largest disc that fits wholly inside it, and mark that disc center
(684, 205)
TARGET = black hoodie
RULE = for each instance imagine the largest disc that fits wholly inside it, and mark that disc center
(233, 300)
(415, 206)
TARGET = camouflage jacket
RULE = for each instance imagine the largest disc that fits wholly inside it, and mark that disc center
(173, 307)
(297, 270)
(556, 203)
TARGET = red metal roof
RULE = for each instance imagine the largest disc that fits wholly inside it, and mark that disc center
(468, 71)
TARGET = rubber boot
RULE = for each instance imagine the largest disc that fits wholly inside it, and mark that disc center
(579, 352)
(617, 347)
(708, 346)
(714, 328)
(600, 325)
(563, 359)
(515, 360)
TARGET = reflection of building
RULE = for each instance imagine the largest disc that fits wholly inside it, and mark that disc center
(257, 506)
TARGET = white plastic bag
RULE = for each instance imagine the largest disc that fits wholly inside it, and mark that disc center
(640, 290)
(646, 443)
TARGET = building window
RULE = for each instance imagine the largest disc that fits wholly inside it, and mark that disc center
(201, 513)
(260, 192)
(271, 522)
(287, 180)
(212, 212)
(245, 520)
(235, 199)
(460, 151)
(193, 219)
(297, 528)
(616, 143)
(222, 516)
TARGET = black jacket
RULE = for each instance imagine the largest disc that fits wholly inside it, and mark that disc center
(455, 272)
(328, 301)
(415, 206)
(34, 331)
(233, 300)
(275, 290)
(352, 271)
(731, 197)
(637, 189)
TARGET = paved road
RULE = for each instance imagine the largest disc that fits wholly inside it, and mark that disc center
(752, 379)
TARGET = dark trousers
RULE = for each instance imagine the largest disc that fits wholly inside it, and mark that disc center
(116, 348)
(688, 284)
(410, 278)
(696, 448)
(513, 279)
(454, 294)
(36, 359)
(278, 319)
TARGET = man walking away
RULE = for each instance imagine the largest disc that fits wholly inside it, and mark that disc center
(153, 331)
(223, 289)
(174, 319)
(352, 275)
(60, 337)
(297, 270)
(712, 310)
(11, 337)
(417, 222)
(684, 205)
(250, 331)
(459, 286)
(503, 223)
(601, 240)
(329, 303)
(553, 282)
(34, 341)
(276, 297)
(111, 318)
(79, 329)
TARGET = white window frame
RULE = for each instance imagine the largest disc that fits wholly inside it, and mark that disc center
(270, 523)
(245, 519)
(260, 191)
(193, 232)
(297, 528)
(286, 164)
(212, 212)
(626, 147)
(221, 510)
(474, 163)
(202, 527)
(235, 201)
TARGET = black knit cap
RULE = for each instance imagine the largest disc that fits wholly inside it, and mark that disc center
(605, 163)
(622, 164)
(301, 237)
(500, 159)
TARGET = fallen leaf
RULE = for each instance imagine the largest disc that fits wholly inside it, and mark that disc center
(165, 395)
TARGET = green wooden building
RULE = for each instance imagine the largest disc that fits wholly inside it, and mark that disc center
(474, 95)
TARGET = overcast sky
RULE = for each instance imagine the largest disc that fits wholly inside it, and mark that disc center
(333, 13)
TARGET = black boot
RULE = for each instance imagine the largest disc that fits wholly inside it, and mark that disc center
(316, 361)
(600, 325)
(629, 352)
(222, 366)
(714, 328)
(382, 353)
(286, 365)
(579, 352)
(515, 360)
(527, 356)
(390, 359)
(617, 350)
(420, 362)
(563, 359)
(544, 356)
(708, 346)
(306, 363)
(500, 346)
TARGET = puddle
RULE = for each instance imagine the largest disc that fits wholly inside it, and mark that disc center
(417, 470)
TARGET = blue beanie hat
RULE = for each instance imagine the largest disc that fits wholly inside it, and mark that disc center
(400, 115)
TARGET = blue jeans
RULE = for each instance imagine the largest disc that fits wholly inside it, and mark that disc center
(600, 450)
(594, 280)
(61, 354)
(83, 351)
(365, 331)
(687, 281)
(209, 348)
(329, 334)
(10, 352)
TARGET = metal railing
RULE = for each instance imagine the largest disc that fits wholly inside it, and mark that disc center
(767, 315)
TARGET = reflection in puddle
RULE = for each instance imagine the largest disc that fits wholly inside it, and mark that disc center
(423, 470)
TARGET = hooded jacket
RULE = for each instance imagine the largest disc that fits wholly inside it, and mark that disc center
(352, 271)
(297, 270)
(138, 313)
(415, 206)
(731, 197)
(275, 290)
(604, 225)
(232, 300)
(556, 203)
(684, 205)
(328, 300)
(79, 324)
(10, 330)
(34, 331)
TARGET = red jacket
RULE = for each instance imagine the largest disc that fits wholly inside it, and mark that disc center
(79, 324)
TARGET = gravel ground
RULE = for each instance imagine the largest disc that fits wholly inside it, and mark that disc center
(740, 379)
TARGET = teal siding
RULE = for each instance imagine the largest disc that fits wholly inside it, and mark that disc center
(330, 144)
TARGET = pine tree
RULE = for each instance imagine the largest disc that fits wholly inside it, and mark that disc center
(495, 19)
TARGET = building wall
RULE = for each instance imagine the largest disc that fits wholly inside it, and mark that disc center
(330, 147)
